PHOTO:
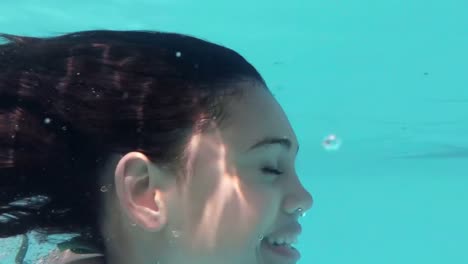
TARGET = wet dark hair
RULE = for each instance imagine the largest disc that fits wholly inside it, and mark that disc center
(68, 102)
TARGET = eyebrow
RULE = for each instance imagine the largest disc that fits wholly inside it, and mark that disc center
(268, 141)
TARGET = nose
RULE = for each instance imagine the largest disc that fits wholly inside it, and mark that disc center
(298, 197)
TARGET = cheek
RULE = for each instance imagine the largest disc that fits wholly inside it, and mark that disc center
(228, 215)
(248, 216)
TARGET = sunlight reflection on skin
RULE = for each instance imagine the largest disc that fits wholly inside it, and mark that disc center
(228, 189)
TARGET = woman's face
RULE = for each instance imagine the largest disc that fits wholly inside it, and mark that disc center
(232, 196)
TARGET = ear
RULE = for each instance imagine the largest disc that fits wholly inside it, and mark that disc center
(138, 185)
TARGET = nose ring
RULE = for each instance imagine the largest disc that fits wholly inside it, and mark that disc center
(301, 212)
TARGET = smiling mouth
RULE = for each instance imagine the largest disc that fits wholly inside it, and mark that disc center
(282, 252)
(289, 241)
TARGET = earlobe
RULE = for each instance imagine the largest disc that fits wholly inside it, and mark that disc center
(150, 220)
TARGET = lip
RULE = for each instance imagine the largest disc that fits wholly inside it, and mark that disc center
(293, 229)
(281, 254)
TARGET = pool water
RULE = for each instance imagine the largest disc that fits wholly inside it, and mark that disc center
(377, 92)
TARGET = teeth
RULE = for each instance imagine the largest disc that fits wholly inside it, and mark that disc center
(282, 240)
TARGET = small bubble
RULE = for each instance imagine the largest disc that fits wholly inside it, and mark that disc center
(77, 73)
(47, 120)
(176, 233)
(178, 54)
(331, 143)
(104, 188)
(64, 128)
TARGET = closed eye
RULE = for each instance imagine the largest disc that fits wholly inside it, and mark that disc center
(273, 171)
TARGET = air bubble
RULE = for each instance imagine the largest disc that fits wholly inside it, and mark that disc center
(104, 188)
(331, 143)
(47, 120)
(178, 54)
(176, 233)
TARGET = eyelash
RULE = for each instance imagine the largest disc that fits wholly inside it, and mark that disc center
(273, 171)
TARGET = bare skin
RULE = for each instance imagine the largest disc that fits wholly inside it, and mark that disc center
(225, 206)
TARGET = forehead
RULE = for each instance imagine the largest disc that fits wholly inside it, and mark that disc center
(256, 116)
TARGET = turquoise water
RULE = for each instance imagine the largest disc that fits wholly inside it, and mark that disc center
(387, 77)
